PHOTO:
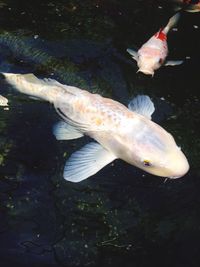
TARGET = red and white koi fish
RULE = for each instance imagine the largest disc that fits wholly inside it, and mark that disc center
(120, 132)
(192, 6)
(152, 55)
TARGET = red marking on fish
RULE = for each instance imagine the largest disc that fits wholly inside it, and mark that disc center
(161, 35)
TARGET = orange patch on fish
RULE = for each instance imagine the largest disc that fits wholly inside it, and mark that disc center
(98, 121)
(79, 106)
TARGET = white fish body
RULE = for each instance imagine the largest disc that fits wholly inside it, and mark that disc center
(120, 132)
(3, 101)
(152, 55)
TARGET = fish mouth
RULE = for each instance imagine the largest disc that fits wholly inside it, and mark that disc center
(181, 174)
(146, 71)
(175, 177)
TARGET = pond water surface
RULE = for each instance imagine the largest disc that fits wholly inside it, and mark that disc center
(121, 216)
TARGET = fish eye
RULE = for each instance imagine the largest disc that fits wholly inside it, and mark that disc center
(147, 163)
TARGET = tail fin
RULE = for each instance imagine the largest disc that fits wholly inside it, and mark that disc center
(172, 22)
(29, 84)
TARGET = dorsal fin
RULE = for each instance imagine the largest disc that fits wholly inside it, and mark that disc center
(143, 105)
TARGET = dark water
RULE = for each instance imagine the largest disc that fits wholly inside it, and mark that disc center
(121, 216)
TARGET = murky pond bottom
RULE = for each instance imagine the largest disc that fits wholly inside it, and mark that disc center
(121, 216)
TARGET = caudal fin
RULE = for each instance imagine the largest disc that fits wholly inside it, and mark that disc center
(29, 84)
(172, 22)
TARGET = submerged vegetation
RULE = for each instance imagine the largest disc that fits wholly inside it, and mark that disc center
(120, 217)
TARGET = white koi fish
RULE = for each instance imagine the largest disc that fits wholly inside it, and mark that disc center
(192, 6)
(152, 55)
(120, 132)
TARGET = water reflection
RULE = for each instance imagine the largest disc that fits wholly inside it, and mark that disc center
(121, 216)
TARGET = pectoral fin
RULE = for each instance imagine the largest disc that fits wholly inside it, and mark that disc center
(86, 162)
(64, 131)
(143, 105)
(173, 62)
(133, 53)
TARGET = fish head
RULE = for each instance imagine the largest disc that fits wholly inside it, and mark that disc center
(155, 151)
(148, 64)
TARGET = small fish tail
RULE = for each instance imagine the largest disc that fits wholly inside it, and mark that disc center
(172, 22)
(30, 85)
